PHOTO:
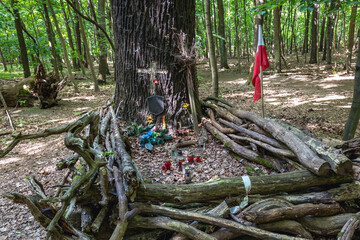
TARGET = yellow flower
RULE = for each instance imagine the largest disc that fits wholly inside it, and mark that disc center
(150, 120)
(186, 105)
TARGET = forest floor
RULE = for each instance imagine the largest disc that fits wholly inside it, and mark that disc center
(307, 95)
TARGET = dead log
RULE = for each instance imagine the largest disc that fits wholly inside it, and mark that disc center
(345, 192)
(221, 188)
(222, 113)
(293, 212)
(276, 151)
(351, 148)
(170, 224)
(130, 171)
(217, 125)
(237, 148)
(18, 94)
(326, 226)
(252, 134)
(305, 155)
(220, 210)
(285, 226)
(187, 215)
(339, 163)
(46, 87)
(349, 228)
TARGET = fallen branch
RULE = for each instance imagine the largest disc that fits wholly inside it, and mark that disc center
(187, 215)
(305, 155)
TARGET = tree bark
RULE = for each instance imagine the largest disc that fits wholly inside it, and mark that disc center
(350, 42)
(277, 48)
(212, 57)
(314, 34)
(339, 163)
(221, 30)
(322, 33)
(224, 187)
(306, 34)
(329, 36)
(21, 39)
(354, 115)
(246, 31)
(293, 212)
(305, 155)
(103, 65)
(137, 47)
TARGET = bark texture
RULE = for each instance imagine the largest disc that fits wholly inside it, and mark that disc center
(147, 32)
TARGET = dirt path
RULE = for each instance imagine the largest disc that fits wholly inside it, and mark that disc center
(317, 99)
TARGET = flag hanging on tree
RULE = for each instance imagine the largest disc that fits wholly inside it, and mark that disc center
(260, 60)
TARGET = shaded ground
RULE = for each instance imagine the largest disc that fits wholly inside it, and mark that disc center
(317, 99)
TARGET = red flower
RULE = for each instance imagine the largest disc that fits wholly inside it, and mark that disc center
(156, 81)
(163, 168)
(168, 165)
(190, 159)
(198, 159)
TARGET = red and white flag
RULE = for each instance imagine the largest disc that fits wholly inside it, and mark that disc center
(260, 60)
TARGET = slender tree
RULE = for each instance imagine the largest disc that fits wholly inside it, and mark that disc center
(87, 51)
(354, 115)
(221, 31)
(322, 33)
(314, 34)
(350, 42)
(306, 34)
(52, 44)
(103, 64)
(21, 39)
(69, 35)
(277, 48)
(66, 56)
(213, 64)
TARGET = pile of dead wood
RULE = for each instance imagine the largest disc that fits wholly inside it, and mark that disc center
(107, 198)
(42, 86)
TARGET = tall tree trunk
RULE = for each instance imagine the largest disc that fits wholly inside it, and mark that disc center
(204, 23)
(314, 34)
(322, 33)
(213, 64)
(3, 61)
(306, 35)
(223, 53)
(70, 38)
(237, 37)
(216, 40)
(229, 30)
(20, 36)
(49, 31)
(334, 41)
(277, 48)
(350, 42)
(78, 41)
(246, 32)
(87, 51)
(294, 35)
(103, 65)
(354, 115)
(329, 36)
(139, 47)
(66, 56)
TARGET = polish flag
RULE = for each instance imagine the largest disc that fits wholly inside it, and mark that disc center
(260, 60)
